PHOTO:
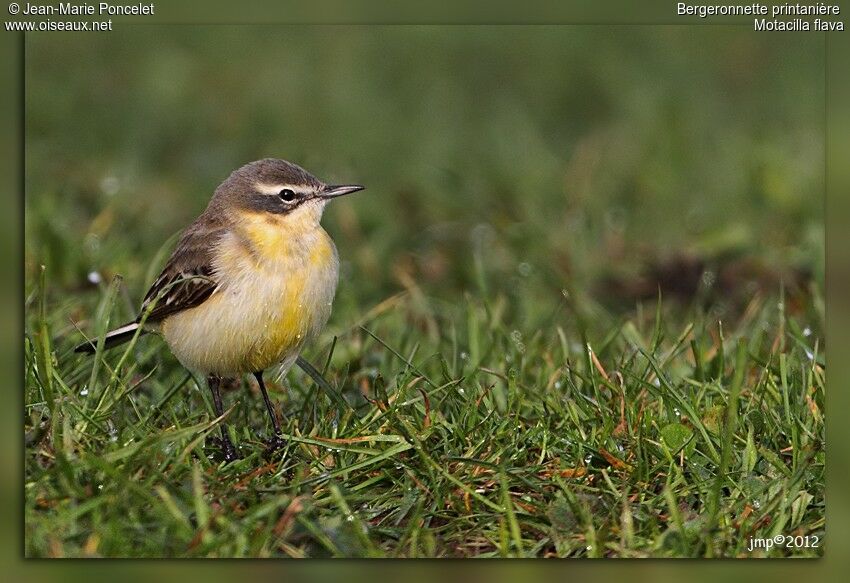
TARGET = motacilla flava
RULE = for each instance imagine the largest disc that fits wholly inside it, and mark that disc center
(250, 282)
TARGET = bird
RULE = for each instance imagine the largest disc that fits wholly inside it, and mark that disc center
(250, 282)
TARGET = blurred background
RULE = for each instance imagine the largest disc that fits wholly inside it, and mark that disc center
(599, 161)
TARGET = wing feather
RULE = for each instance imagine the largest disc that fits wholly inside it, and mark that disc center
(188, 278)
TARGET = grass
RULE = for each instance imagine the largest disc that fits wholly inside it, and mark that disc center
(580, 310)
(459, 436)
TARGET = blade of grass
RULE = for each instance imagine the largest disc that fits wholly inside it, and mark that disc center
(728, 433)
(334, 395)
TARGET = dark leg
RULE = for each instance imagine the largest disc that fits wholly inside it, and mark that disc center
(226, 445)
(275, 441)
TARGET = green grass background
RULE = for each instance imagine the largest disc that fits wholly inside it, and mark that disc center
(505, 402)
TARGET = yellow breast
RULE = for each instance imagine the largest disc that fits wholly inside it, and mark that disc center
(277, 282)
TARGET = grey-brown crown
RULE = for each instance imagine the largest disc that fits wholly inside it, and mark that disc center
(272, 171)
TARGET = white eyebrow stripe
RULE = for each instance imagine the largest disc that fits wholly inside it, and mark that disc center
(265, 188)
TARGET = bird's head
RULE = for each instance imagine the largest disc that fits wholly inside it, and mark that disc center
(282, 192)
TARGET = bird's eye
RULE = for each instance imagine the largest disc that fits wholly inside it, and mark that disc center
(287, 195)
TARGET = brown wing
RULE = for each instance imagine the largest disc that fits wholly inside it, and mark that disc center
(187, 279)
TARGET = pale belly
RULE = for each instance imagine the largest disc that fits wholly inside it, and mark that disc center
(261, 316)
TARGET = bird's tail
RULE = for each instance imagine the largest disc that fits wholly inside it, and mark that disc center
(113, 338)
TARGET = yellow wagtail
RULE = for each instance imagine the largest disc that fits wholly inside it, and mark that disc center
(250, 282)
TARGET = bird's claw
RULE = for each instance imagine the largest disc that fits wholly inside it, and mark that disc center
(274, 444)
(224, 448)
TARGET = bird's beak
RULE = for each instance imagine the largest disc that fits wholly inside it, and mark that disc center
(340, 190)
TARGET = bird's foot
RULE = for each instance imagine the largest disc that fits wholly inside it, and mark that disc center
(223, 450)
(274, 444)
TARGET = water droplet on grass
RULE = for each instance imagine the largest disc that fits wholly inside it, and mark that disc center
(110, 185)
(94, 277)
